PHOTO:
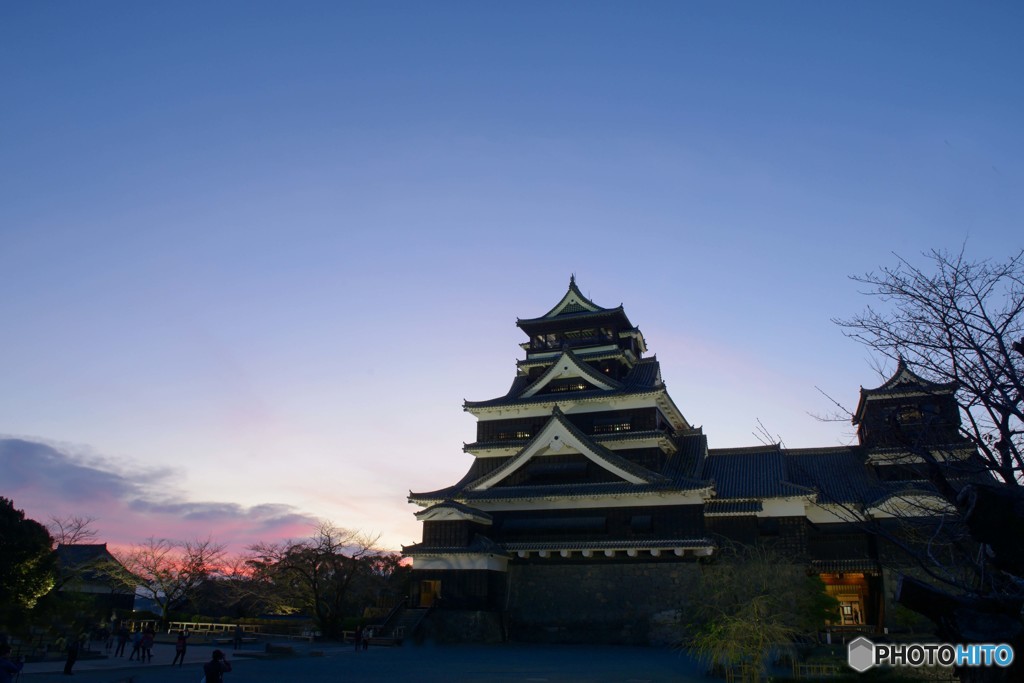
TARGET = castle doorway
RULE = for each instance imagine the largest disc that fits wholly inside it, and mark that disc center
(430, 591)
(859, 597)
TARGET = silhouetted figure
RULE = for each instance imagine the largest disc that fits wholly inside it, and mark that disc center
(69, 663)
(122, 639)
(238, 636)
(215, 668)
(148, 636)
(136, 645)
(9, 667)
(179, 648)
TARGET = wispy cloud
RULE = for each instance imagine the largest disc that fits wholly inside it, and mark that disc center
(54, 480)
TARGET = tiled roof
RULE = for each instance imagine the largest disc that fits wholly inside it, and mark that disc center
(903, 382)
(838, 473)
(617, 312)
(603, 454)
(479, 468)
(757, 472)
(573, 292)
(675, 477)
(479, 544)
(906, 379)
(587, 372)
(688, 461)
(87, 561)
(643, 378)
(505, 443)
(454, 505)
(78, 554)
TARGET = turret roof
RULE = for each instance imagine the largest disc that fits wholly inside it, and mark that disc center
(903, 381)
(573, 305)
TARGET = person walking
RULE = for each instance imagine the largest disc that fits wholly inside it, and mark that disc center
(215, 668)
(179, 647)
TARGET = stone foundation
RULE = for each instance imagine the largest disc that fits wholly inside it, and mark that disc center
(631, 603)
(462, 626)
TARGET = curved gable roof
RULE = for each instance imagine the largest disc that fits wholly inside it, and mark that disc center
(553, 435)
(571, 366)
(903, 381)
(573, 301)
(644, 377)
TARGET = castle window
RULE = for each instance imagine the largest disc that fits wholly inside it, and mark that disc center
(612, 425)
(908, 414)
(512, 434)
(559, 386)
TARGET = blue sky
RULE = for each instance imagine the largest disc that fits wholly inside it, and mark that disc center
(255, 255)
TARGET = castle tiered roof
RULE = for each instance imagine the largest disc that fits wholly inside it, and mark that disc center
(644, 378)
(904, 381)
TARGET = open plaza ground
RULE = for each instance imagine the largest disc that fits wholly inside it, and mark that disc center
(417, 664)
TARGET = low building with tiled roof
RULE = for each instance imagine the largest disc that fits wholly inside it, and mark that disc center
(587, 468)
(95, 577)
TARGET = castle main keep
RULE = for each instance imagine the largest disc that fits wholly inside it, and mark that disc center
(591, 500)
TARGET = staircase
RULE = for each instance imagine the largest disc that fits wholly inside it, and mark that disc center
(405, 623)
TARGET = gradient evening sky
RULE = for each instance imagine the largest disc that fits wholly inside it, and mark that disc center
(254, 255)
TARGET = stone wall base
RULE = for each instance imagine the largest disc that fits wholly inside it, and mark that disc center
(615, 603)
(462, 626)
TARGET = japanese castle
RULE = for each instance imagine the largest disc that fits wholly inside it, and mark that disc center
(591, 499)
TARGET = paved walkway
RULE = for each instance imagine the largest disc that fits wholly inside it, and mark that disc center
(508, 663)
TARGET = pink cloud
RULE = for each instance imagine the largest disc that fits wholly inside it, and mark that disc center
(53, 481)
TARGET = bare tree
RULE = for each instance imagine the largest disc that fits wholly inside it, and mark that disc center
(961, 323)
(958, 322)
(317, 572)
(72, 530)
(170, 572)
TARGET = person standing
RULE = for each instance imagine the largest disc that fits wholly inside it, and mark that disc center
(136, 644)
(215, 668)
(148, 637)
(179, 647)
(238, 636)
(8, 667)
(69, 663)
(122, 640)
